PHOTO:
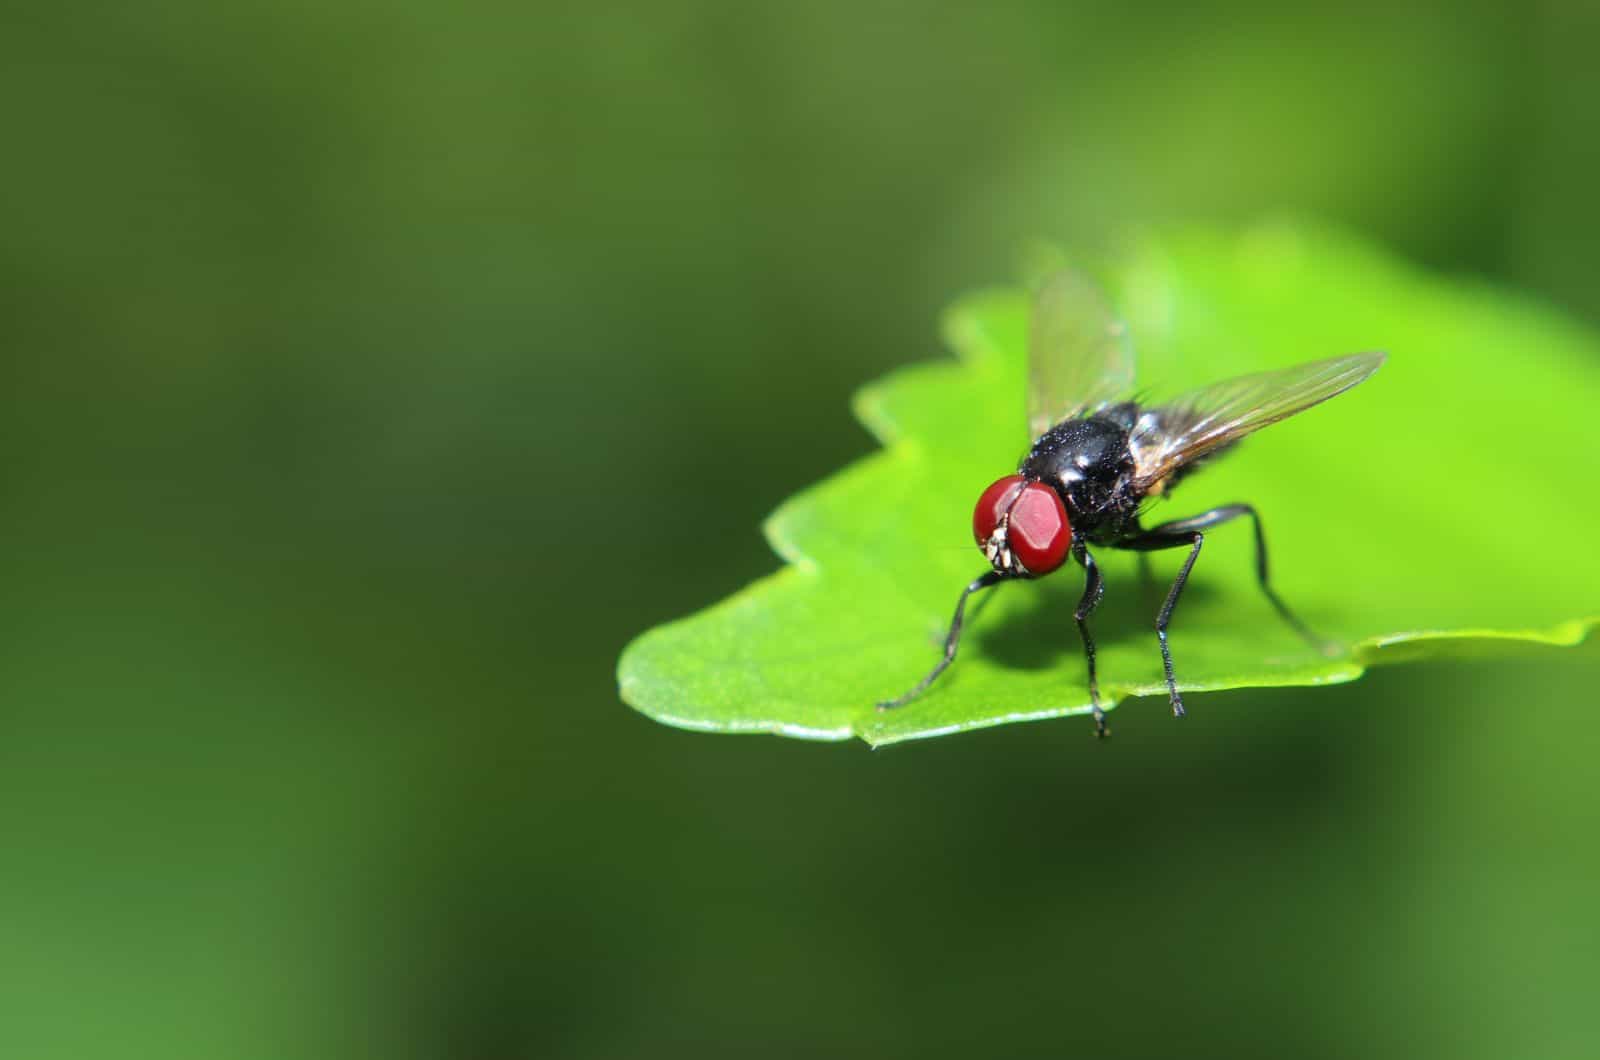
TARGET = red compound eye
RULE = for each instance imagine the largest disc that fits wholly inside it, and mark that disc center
(994, 503)
(1038, 532)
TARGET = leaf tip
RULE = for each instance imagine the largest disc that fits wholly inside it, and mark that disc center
(868, 407)
(1411, 645)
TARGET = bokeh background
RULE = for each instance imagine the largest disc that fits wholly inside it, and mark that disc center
(372, 372)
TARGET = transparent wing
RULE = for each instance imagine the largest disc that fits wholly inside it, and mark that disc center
(1079, 356)
(1188, 427)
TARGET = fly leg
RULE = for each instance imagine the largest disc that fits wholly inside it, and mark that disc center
(1093, 589)
(951, 641)
(1149, 541)
(1188, 532)
(1217, 516)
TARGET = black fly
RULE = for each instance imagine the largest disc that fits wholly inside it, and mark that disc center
(1098, 456)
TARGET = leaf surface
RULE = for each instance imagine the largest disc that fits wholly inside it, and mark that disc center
(1445, 506)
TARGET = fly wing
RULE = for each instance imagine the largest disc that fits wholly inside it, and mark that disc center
(1079, 356)
(1200, 422)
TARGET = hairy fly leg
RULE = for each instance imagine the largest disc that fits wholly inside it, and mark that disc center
(1093, 590)
(1189, 532)
(952, 639)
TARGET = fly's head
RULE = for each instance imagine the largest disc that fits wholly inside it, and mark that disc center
(1021, 526)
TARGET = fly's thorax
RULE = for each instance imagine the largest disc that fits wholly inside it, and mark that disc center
(1088, 462)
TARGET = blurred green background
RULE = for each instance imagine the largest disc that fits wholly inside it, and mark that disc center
(372, 372)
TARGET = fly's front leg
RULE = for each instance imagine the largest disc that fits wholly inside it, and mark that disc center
(1093, 589)
(952, 639)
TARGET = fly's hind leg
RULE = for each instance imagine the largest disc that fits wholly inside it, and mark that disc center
(1217, 516)
(1189, 533)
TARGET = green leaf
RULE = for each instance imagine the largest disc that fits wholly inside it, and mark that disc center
(1447, 505)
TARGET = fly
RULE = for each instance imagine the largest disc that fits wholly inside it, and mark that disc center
(1098, 456)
